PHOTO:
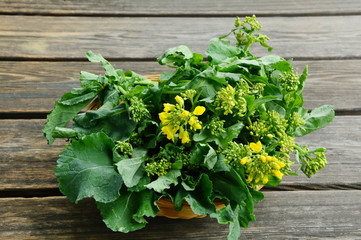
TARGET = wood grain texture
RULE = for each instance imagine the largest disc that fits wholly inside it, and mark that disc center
(281, 215)
(146, 38)
(176, 8)
(26, 162)
(34, 86)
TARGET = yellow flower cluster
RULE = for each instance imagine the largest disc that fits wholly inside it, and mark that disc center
(261, 166)
(175, 118)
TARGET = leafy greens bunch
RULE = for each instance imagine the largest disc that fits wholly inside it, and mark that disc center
(215, 129)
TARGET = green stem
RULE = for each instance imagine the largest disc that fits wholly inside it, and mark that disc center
(144, 82)
(120, 89)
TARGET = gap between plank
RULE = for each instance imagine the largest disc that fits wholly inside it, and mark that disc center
(184, 15)
(54, 192)
(120, 59)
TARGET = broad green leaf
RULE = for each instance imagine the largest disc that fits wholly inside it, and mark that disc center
(114, 122)
(219, 77)
(109, 95)
(222, 139)
(189, 183)
(60, 116)
(60, 132)
(221, 165)
(127, 212)
(257, 196)
(231, 185)
(164, 182)
(176, 55)
(199, 153)
(221, 49)
(199, 199)
(224, 215)
(85, 169)
(132, 169)
(273, 181)
(234, 230)
(253, 104)
(179, 199)
(270, 60)
(71, 99)
(97, 58)
(211, 158)
(318, 118)
(89, 80)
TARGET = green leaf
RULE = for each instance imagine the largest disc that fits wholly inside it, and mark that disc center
(97, 58)
(199, 199)
(224, 215)
(257, 196)
(60, 116)
(211, 159)
(253, 104)
(318, 118)
(219, 77)
(234, 230)
(221, 140)
(132, 169)
(164, 182)
(270, 60)
(177, 55)
(89, 80)
(127, 212)
(85, 169)
(221, 49)
(221, 165)
(72, 99)
(199, 153)
(273, 181)
(302, 79)
(231, 185)
(60, 132)
(114, 122)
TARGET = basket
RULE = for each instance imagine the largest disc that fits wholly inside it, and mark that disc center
(166, 206)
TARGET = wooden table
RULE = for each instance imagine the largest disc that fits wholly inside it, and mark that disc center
(42, 49)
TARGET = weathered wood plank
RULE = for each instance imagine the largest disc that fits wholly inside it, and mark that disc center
(281, 215)
(34, 86)
(188, 7)
(26, 162)
(130, 38)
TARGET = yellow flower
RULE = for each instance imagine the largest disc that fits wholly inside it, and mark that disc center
(265, 180)
(168, 107)
(199, 110)
(282, 164)
(163, 116)
(250, 178)
(179, 100)
(276, 166)
(263, 159)
(184, 136)
(169, 131)
(197, 126)
(185, 113)
(192, 120)
(277, 174)
(257, 147)
(244, 160)
(269, 158)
